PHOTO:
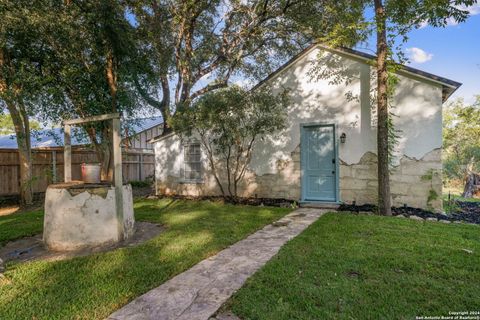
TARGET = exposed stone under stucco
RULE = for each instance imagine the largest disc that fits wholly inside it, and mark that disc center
(412, 182)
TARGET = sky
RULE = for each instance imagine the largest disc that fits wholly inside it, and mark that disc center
(452, 52)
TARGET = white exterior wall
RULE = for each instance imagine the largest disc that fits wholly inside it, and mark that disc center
(418, 105)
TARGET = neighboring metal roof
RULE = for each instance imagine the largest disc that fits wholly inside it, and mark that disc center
(449, 86)
(138, 125)
(48, 138)
(43, 139)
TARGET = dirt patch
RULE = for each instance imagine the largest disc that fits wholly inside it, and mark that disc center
(32, 248)
(5, 211)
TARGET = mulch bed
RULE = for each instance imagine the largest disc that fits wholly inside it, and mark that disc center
(466, 211)
(284, 203)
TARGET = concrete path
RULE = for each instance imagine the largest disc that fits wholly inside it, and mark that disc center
(198, 293)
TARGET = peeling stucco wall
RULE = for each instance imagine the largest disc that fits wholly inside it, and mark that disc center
(414, 182)
(75, 221)
(275, 165)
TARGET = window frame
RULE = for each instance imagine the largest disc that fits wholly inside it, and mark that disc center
(187, 163)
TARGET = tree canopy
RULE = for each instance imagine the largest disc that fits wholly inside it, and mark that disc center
(461, 138)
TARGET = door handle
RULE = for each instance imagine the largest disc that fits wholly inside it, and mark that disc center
(333, 172)
(333, 160)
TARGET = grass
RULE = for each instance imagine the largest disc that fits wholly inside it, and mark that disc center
(367, 267)
(455, 194)
(19, 225)
(92, 287)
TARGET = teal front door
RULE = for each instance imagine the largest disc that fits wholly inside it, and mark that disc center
(318, 163)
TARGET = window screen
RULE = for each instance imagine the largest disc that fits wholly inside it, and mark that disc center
(193, 164)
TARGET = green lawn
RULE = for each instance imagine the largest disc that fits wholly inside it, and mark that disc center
(93, 287)
(20, 225)
(367, 267)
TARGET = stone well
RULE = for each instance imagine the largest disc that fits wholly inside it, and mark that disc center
(80, 216)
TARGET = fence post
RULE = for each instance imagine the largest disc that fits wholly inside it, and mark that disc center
(67, 155)
(140, 168)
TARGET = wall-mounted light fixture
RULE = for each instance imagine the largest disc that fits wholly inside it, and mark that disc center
(343, 137)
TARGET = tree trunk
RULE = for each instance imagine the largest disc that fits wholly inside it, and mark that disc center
(22, 131)
(105, 150)
(384, 204)
(472, 183)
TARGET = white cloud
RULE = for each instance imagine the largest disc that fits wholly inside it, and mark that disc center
(418, 55)
(473, 9)
(423, 25)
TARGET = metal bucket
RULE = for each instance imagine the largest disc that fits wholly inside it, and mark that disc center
(91, 172)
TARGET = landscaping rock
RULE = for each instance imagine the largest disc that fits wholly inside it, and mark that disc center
(2, 266)
(468, 212)
(400, 216)
(431, 219)
(416, 218)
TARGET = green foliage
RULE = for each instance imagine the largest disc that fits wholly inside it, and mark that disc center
(432, 196)
(461, 138)
(228, 122)
(141, 184)
(6, 124)
(201, 46)
(428, 176)
(348, 266)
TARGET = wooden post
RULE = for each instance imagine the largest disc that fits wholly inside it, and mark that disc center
(118, 179)
(54, 166)
(67, 155)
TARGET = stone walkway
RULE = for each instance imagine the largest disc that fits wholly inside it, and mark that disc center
(199, 292)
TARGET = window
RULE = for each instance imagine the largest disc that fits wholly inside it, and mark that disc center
(193, 163)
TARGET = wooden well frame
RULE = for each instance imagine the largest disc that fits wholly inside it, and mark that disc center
(117, 159)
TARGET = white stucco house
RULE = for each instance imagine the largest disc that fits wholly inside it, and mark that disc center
(327, 153)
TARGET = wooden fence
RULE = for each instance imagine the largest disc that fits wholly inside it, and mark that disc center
(48, 167)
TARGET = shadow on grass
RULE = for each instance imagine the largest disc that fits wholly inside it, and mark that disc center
(92, 287)
(367, 267)
(19, 225)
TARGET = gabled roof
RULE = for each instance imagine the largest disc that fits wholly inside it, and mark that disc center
(48, 138)
(448, 86)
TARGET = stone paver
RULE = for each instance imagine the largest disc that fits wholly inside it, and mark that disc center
(197, 293)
